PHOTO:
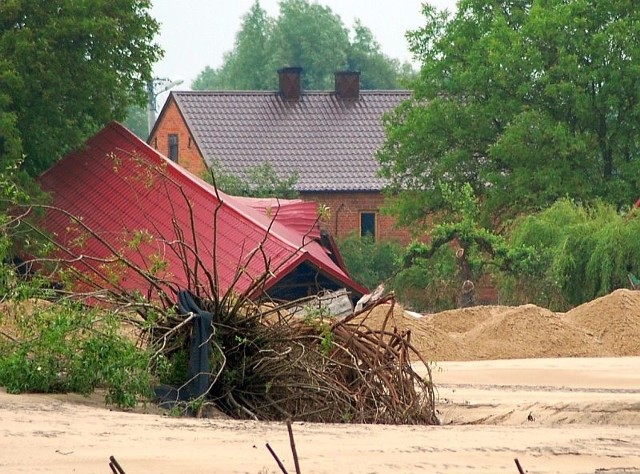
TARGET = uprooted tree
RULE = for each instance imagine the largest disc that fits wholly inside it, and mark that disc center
(264, 362)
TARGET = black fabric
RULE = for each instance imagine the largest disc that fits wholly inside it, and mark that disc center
(199, 375)
(199, 353)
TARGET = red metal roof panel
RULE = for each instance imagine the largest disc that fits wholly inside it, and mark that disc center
(140, 204)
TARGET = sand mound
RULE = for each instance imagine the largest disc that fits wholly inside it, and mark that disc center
(465, 319)
(613, 319)
(607, 326)
(528, 332)
(432, 342)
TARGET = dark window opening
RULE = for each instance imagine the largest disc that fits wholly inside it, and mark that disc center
(173, 148)
(368, 224)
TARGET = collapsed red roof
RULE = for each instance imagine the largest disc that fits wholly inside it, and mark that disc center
(117, 194)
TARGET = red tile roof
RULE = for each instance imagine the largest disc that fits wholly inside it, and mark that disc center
(330, 142)
(121, 188)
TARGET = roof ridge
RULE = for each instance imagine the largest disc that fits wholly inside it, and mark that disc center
(274, 92)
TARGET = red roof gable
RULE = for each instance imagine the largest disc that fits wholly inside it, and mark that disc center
(142, 205)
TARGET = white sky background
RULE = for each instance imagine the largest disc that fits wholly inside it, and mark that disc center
(196, 33)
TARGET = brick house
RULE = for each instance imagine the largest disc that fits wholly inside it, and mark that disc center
(329, 138)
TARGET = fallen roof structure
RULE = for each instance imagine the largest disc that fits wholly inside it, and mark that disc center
(118, 196)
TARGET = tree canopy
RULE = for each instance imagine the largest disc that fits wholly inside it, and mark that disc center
(66, 69)
(307, 35)
(526, 101)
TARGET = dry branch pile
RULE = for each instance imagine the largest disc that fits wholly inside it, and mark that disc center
(266, 364)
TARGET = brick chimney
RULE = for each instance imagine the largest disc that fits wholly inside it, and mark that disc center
(348, 85)
(290, 84)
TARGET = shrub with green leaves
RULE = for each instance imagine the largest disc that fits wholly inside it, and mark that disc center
(587, 252)
(67, 348)
(261, 181)
(370, 262)
(429, 284)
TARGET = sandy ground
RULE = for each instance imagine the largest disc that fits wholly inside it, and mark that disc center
(555, 415)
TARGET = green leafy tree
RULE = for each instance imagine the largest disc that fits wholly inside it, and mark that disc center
(586, 251)
(312, 36)
(370, 262)
(246, 66)
(137, 121)
(526, 101)
(304, 34)
(68, 68)
(377, 71)
(480, 250)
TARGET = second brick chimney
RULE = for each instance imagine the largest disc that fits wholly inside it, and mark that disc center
(348, 84)
(290, 84)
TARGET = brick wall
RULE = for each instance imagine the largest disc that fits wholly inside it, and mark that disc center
(345, 214)
(171, 122)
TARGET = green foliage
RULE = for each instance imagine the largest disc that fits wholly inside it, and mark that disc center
(429, 285)
(426, 284)
(377, 71)
(68, 68)
(370, 262)
(481, 251)
(261, 181)
(586, 251)
(137, 121)
(66, 348)
(304, 34)
(312, 36)
(482, 248)
(528, 102)
(173, 369)
(246, 67)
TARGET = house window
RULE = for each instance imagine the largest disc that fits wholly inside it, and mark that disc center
(368, 224)
(173, 147)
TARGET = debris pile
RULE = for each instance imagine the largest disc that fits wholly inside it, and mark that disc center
(269, 364)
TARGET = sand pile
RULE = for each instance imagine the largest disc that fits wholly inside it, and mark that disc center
(608, 326)
(613, 319)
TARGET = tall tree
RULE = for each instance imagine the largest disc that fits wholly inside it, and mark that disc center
(304, 34)
(10, 142)
(527, 101)
(69, 67)
(246, 67)
(137, 121)
(311, 36)
(377, 71)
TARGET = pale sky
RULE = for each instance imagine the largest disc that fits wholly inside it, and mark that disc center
(196, 33)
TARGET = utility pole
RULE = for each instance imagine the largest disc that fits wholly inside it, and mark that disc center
(155, 87)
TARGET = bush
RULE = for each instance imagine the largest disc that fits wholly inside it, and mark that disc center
(429, 285)
(587, 253)
(370, 262)
(67, 348)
